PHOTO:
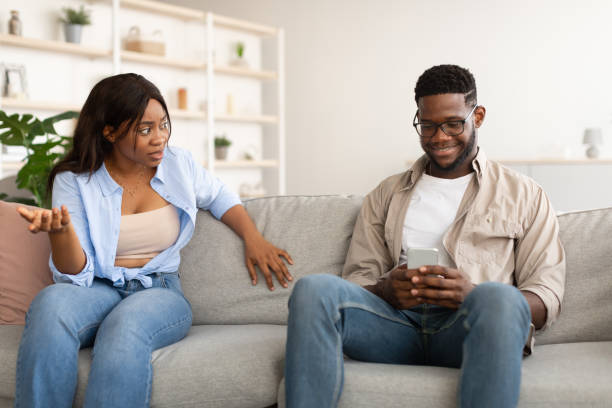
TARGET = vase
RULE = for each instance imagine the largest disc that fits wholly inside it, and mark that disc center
(73, 33)
(14, 24)
(592, 152)
(221, 152)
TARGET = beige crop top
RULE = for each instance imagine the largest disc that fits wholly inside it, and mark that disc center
(146, 234)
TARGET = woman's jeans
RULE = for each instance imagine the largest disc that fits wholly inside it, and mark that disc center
(329, 316)
(124, 325)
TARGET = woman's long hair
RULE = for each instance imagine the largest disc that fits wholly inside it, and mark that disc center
(119, 102)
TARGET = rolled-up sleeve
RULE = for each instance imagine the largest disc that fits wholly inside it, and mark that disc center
(368, 258)
(540, 258)
(211, 193)
(66, 192)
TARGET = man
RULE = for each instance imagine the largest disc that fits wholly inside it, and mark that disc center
(501, 266)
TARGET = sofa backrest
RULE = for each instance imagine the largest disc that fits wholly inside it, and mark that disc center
(315, 231)
(586, 311)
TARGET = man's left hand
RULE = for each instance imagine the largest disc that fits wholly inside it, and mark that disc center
(445, 287)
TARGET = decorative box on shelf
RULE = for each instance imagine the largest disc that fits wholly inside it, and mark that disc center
(153, 44)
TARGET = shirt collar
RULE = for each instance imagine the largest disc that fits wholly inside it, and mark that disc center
(109, 186)
(479, 164)
(106, 182)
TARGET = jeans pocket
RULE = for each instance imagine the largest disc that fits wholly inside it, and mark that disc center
(171, 281)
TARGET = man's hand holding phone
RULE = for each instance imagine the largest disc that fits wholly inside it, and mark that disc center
(396, 289)
(438, 285)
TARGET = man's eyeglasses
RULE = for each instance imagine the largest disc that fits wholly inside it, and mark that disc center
(450, 127)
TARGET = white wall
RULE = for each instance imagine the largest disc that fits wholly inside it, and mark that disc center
(543, 71)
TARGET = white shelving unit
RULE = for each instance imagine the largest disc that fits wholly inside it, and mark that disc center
(212, 23)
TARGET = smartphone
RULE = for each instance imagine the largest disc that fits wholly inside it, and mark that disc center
(417, 257)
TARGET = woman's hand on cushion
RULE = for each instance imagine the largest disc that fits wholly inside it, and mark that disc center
(260, 252)
(54, 220)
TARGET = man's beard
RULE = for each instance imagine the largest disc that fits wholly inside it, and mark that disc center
(459, 160)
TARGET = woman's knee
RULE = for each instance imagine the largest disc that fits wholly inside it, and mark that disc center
(52, 302)
(139, 316)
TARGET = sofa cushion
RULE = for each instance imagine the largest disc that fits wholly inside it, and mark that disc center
(24, 269)
(316, 232)
(214, 366)
(557, 376)
(586, 311)
(10, 335)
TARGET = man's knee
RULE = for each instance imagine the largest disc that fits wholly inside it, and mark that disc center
(314, 289)
(500, 301)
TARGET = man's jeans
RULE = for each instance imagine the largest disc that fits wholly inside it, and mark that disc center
(329, 316)
(124, 325)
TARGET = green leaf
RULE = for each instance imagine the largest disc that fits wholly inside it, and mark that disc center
(17, 128)
(41, 157)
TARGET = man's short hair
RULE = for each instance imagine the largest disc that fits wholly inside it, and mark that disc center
(443, 79)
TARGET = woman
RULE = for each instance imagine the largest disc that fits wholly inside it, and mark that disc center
(124, 204)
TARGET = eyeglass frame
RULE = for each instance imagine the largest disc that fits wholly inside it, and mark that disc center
(439, 125)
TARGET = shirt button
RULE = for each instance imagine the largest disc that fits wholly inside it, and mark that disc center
(488, 219)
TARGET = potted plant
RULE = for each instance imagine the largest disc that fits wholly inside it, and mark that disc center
(44, 147)
(74, 20)
(222, 143)
(238, 51)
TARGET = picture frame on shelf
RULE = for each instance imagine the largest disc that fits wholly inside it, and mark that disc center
(15, 81)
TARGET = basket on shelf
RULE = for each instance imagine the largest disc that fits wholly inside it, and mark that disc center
(153, 45)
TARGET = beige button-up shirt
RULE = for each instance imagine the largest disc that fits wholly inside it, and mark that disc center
(505, 231)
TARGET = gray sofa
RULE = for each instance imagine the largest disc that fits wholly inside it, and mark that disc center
(233, 355)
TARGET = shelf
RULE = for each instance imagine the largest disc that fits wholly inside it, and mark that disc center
(245, 72)
(195, 65)
(130, 56)
(164, 9)
(189, 14)
(11, 103)
(222, 164)
(37, 105)
(263, 119)
(161, 60)
(57, 46)
(241, 25)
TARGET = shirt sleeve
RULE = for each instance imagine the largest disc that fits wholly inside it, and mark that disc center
(66, 192)
(210, 192)
(368, 258)
(540, 258)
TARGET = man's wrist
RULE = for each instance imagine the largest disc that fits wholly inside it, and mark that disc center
(377, 288)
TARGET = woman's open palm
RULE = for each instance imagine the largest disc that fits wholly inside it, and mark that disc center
(54, 220)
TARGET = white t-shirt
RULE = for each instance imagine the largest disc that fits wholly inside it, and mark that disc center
(432, 209)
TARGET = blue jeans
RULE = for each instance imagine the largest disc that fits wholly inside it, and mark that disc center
(123, 324)
(329, 316)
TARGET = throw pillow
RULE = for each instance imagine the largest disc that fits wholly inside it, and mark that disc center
(24, 268)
